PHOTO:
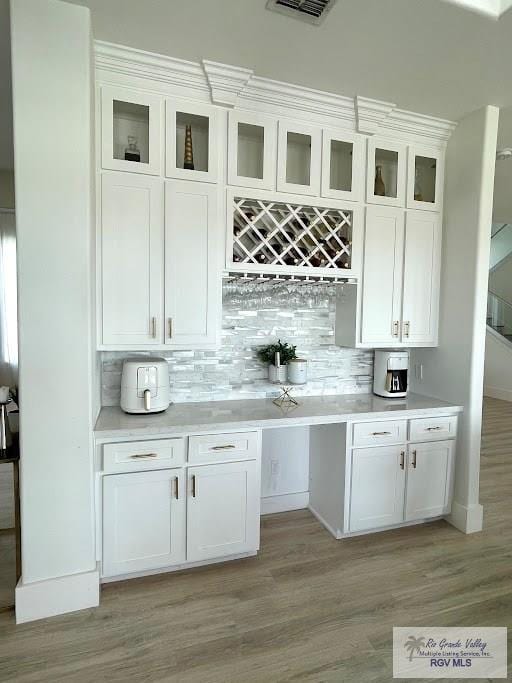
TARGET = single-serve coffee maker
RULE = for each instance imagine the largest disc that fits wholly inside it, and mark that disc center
(391, 373)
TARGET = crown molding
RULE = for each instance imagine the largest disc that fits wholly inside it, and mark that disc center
(232, 86)
(371, 114)
(155, 68)
(277, 95)
(419, 124)
(226, 82)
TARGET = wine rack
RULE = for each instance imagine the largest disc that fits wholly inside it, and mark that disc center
(279, 235)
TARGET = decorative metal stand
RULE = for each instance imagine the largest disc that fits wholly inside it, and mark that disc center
(284, 400)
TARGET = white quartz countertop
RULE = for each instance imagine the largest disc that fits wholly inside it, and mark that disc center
(189, 418)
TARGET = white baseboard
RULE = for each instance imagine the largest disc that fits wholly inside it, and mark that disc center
(178, 567)
(337, 533)
(284, 503)
(468, 519)
(496, 392)
(63, 594)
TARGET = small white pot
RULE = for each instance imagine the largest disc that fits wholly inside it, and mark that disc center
(298, 371)
(277, 375)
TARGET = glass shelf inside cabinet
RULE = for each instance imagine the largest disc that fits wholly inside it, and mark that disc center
(192, 141)
(425, 179)
(298, 158)
(386, 173)
(250, 147)
(130, 131)
(282, 234)
(341, 165)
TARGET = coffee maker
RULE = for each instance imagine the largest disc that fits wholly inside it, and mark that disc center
(391, 373)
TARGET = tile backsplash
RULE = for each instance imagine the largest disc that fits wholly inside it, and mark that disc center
(256, 313)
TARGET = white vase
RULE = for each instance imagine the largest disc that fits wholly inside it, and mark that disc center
(277, 375)
(298, 371)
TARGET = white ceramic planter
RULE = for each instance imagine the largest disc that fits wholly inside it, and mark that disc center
(277, 375)
(298, 371)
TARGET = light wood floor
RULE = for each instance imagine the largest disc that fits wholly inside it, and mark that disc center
(309, 608)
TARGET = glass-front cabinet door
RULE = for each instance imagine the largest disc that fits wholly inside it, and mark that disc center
(298, 158)
(130, 130)
(251, 150)
(425, 178)
(385, 183)
(342, 165)
(191, 141)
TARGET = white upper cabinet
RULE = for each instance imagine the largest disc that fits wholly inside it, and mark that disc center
(192, 265)
(425, 178)
(132, 225)
(299, 158)
(422, 262)
(252, 148)
(400, 289)
(192, 138)
(342, 165)
(386, 172)
(429, 479)
(131, 136)
(382, 276)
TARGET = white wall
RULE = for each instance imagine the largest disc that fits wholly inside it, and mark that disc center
(454, 371)
(51, 57)
(498, 367)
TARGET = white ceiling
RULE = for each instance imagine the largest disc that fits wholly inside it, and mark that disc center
(429, 56)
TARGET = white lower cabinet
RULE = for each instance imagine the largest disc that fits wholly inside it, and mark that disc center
(390, 485)
(143, 521)
(429, 479)
(157, 518)
(223, 510)
(378, 485)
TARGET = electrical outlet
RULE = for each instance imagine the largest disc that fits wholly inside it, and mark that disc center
(419, 371)
(274, 468)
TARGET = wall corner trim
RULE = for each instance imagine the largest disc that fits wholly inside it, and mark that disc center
(42, 599)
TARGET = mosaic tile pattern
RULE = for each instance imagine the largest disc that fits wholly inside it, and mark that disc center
(255, 314)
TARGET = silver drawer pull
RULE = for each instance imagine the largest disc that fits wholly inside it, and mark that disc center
(228, 447)
(433, 429)
(141, 456)
(381, 433)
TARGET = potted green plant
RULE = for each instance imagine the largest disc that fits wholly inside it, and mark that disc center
(277, 356)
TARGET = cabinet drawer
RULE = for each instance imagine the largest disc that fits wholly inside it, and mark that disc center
(134, 456)
(223, 447)
(379, 433)
(430, 428)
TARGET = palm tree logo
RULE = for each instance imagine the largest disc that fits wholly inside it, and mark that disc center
(414, 644)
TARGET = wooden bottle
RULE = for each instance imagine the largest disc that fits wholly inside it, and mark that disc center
(188, 161)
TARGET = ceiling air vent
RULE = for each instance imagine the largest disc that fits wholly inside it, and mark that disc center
(312, 11)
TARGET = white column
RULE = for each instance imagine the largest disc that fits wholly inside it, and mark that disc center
(455, 370)
(52, 97)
